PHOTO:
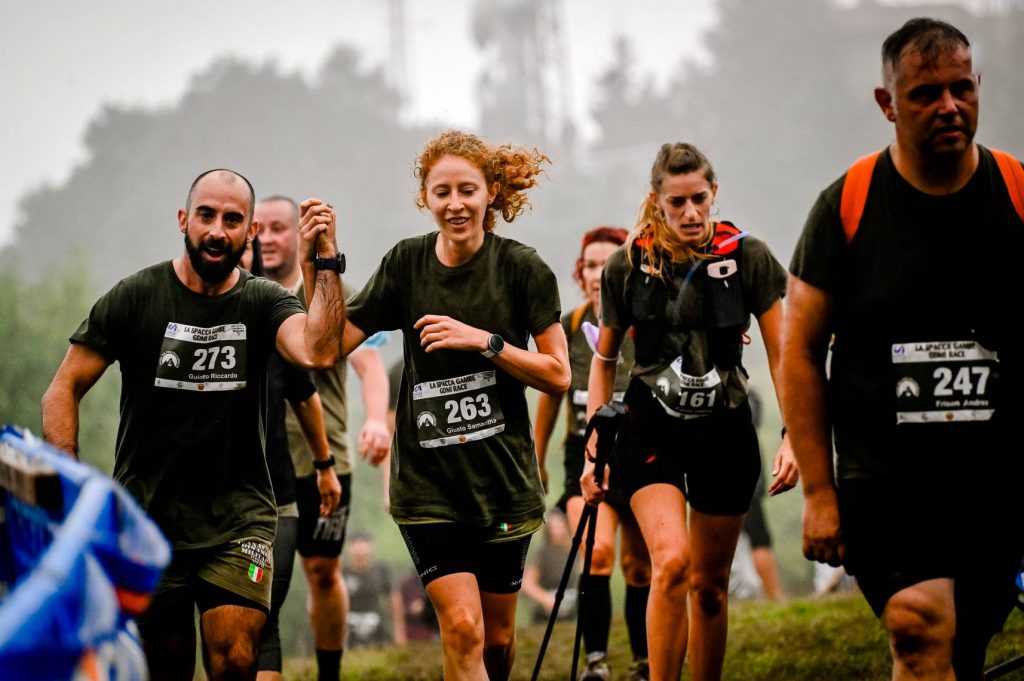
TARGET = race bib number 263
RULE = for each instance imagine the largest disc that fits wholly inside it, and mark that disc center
(454, 411)
(202, 359)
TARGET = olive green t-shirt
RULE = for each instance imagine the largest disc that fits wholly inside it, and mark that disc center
(463, 448)
(580, 356)
(762, 282)
(330, 384)
(190, 442)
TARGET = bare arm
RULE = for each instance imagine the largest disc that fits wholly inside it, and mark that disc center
(546, 370)
(804, 352)
(374, 436)
(310, 415)
(313, 340)
(351, 338)
(81, 368)
(543, 426)
(784, 470)
(599, 390)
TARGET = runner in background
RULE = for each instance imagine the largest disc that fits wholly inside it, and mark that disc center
(321, 538)
(598, 244)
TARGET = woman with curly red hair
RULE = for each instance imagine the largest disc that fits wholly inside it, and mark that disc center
(597, 246)
(465, 488)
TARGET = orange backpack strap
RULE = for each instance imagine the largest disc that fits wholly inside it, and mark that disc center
(577, 318)
(1013, 176)
(855, 193)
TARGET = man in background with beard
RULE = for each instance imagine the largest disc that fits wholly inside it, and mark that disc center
(192, 337)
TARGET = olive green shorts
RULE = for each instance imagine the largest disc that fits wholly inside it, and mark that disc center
(238, 573)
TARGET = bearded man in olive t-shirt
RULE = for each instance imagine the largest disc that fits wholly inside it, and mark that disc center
(192, 337)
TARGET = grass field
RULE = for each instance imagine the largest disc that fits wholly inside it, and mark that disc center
(836, 640)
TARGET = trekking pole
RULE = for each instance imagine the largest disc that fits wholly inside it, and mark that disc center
(606, 420)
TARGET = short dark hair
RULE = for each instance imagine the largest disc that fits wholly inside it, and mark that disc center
(192, 189)
(929, 37)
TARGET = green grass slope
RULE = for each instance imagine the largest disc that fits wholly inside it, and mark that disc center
(836, 639)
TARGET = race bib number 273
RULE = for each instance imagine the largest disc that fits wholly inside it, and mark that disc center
(202, 359)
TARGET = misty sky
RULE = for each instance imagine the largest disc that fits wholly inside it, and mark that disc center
(63, 60)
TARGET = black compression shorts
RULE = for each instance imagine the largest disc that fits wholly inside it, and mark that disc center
(440, 549)
(321, 536)
(715, 461)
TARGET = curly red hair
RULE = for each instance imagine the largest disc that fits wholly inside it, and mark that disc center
(510, 170)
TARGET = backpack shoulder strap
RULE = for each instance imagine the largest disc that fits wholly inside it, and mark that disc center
(855, 193)
(727, 238)
(1013, 177)
(577, 318)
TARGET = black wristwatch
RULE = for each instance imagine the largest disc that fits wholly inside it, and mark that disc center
(337, 263)
(325, 464)
(495, 344)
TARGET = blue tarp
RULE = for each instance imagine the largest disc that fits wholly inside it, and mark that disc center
(74, 576)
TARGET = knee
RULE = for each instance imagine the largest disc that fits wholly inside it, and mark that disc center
(323, 573)
(603, 560)
(499, 639)
(710, 593)
(463, 632)
(236, 660)
(918, 628)
(637, 572)
(672, 572)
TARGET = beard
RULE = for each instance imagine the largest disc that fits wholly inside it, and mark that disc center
(213, 272)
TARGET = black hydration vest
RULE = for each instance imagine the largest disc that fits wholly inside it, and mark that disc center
(717, 277)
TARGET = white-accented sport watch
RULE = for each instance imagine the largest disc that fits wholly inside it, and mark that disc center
(495, 344)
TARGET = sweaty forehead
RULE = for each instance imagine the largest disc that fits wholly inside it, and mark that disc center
(452, 168)
(915, 63)
(222, 189)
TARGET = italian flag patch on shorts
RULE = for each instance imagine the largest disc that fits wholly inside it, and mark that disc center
(255, 573)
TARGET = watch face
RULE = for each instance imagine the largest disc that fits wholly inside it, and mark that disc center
(495, 343)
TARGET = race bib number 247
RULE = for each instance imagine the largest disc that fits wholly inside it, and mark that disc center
(940, 382)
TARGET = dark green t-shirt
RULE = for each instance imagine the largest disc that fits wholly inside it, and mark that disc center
(580, 356)
(762, 282)
(190, 443)
(921, 293)
(463, 448)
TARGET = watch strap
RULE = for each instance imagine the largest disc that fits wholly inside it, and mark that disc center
(325, 464)
(336, 263)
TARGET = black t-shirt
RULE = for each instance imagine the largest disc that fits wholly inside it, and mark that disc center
(463, 448)
(193, 400)
(927, 284)
(367, 588)
(685, 343)
(284, 382)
